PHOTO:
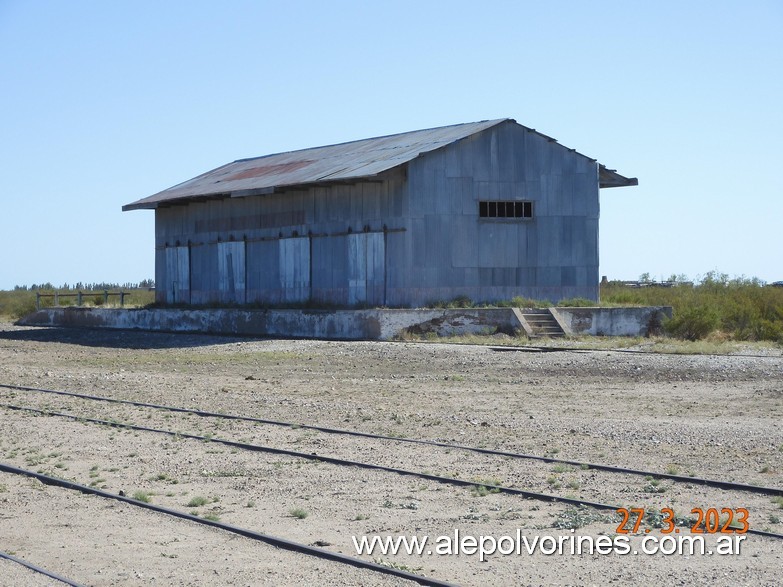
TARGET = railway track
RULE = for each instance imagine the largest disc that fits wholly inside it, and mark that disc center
(245, 532)
(717, 483)
(544, 497)
(40, 570)
(142, 407)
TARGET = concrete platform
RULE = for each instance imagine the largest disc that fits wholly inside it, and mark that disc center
(371, 324)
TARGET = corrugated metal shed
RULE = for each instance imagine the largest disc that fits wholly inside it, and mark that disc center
(352, 161)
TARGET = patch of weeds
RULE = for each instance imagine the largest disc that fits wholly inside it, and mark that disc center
(142, 496)
(3, 488)
(299, 513)
(360, 517)
(250, 504)
(211, 517)
(561, 468)
(584, 466)
(653, 486)
(399, 567)
(483, 487)
(576, 517)
(654, 519)
(773, 519)
(197, 501)
(672, 469)
(764, 469)
(97, 482)
(553, 482)
(778, 500)
(35, 460)
(574, 484)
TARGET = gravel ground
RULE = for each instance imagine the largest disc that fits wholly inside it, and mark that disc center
(701, 416)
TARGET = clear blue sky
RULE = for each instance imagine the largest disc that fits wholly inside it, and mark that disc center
(103, 103)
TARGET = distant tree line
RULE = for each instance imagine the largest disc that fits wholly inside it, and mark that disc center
(79, 286)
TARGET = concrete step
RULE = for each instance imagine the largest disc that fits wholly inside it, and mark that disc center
(542, 323)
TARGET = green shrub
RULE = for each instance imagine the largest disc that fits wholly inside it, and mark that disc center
(198, 501)
(693, 323)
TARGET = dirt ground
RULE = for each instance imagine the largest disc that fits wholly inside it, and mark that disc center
(716, 417)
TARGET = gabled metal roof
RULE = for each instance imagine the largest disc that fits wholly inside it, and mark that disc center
(352, 161)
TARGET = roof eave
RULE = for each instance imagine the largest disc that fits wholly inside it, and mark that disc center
(609, 178)
(265, 191)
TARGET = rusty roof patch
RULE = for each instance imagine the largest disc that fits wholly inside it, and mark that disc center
(263, 170)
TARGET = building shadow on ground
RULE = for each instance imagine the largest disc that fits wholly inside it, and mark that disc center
(120, 339)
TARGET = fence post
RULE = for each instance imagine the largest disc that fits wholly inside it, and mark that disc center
(105, 297)
(79, 298)
(122, 298)
(56, 299)
(37, 300)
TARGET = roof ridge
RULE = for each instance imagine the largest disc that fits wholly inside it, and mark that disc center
(495, 122)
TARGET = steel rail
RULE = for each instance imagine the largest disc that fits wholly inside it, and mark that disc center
(344, 462)
(252, 534)
(553, 349)
(321, 458)
(720, 484)
(39, 570)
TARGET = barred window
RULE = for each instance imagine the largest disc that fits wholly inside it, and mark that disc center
(505, 209)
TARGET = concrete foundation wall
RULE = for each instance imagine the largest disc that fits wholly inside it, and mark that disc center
(632, 321)
(347, 324)
(329, 324)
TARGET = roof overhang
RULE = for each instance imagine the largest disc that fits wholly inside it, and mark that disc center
(154, 204)
(609, 178)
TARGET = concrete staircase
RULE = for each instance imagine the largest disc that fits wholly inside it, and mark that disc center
(541, 323)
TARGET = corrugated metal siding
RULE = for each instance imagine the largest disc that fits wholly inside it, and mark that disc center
(176, 279)
(294, 266)
(550, 256)
(231, 272)
(327, 243)
(366, 269)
